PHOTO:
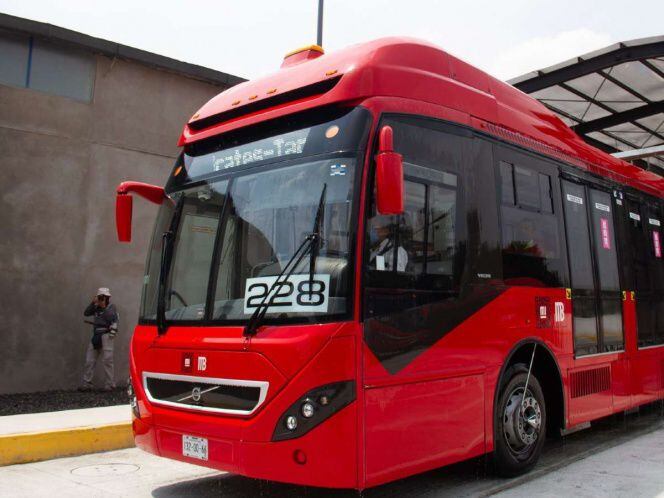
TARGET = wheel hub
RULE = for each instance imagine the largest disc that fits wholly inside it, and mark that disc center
(522, 420)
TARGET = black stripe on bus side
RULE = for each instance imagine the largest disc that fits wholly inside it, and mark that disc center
(411, 323)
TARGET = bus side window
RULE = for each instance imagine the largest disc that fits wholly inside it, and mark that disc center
(441, 240)
(420, 244)
(530, 241)
(393, 240)
(412, 226)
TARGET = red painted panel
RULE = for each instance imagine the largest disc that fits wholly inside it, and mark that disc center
(287, 347)
(647, 374)
(330, 450)
(419, 426)
(590, 407)
(144, 435)
(620, 378)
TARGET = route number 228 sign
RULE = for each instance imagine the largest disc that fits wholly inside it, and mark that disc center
(297, 294)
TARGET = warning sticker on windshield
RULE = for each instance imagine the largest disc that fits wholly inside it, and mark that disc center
(298, 294)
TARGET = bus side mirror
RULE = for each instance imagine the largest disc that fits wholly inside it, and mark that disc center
(389, 175)
(123, 212)
(124, 204)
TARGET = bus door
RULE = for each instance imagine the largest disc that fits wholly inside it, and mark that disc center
(596, 293)
(643, 272)
(655, 232)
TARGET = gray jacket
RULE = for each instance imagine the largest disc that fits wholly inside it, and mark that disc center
(105, 321)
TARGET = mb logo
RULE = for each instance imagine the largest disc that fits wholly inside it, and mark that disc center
(202, 363)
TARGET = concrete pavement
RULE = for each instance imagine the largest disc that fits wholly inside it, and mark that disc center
(128, 472)
(635, 468)
(617, 457)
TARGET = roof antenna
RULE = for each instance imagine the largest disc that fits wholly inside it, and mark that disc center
(319, 38)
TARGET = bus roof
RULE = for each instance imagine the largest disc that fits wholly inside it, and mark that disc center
(413, 69)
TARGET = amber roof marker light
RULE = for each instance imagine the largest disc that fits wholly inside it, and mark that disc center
(309, 52)
(302, 54)
(307, 48)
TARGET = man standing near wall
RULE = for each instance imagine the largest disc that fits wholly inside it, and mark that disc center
(104, 328)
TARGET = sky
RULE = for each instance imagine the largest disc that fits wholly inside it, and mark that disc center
(249, 38)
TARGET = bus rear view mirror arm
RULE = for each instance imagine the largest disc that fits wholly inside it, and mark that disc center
(389, 175)
(123, 204)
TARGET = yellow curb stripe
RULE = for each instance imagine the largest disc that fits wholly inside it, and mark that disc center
(37, 446)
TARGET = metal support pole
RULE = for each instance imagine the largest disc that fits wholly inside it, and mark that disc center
(319, 38)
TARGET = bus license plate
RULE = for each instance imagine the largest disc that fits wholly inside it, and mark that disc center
(195, 447)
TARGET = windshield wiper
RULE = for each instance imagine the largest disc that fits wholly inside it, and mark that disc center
(310, 241)
(261, 309)
(318, 239)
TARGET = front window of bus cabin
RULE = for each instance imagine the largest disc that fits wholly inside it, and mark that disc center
(240, 205)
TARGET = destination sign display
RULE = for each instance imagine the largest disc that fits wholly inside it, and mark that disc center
(287, 144)
(285, 139)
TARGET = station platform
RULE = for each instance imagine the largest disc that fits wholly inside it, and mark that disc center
(42, 436)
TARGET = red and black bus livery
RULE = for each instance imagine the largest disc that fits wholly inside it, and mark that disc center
(381, 261)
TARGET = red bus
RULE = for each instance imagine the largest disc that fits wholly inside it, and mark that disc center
(382, 260)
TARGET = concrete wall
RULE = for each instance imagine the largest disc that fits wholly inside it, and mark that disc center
(60, 163)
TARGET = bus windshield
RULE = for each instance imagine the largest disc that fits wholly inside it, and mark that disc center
(238, 210)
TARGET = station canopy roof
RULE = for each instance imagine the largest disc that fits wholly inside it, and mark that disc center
(613, 98)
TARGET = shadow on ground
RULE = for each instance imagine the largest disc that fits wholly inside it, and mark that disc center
(469, 478)
(232, 486)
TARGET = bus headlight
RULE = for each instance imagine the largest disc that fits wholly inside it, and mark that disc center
(313, 408)
(291, 423)
(308, 409)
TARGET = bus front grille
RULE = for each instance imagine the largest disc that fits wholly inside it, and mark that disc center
(232, 396)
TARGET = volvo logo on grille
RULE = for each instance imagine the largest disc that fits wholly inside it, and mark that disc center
(196, 394)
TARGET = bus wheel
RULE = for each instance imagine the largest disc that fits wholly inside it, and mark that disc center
(520, 424)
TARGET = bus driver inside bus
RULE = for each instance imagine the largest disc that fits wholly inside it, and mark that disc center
(382, 234)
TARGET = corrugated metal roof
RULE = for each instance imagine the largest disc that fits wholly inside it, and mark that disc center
(613, 97)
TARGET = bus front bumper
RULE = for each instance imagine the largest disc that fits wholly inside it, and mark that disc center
(325, 456)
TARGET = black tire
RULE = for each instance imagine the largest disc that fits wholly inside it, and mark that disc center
(518, 447)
